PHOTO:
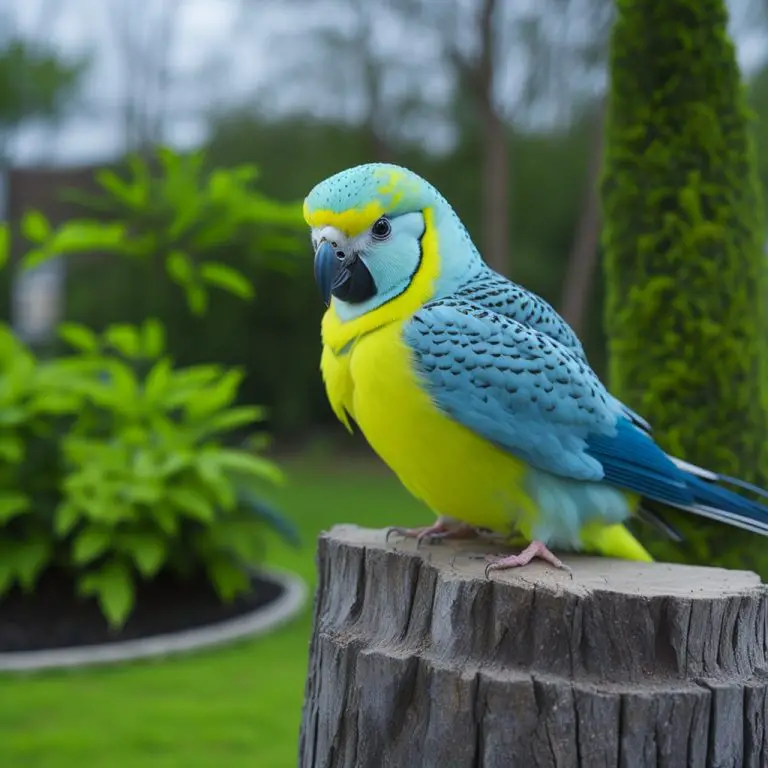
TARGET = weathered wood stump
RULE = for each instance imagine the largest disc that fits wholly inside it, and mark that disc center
(417, 660)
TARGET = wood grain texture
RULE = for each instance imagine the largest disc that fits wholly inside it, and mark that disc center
(417, 659)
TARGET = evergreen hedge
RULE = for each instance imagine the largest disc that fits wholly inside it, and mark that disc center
(683, 253)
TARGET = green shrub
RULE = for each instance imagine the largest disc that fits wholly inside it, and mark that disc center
(181, 217)
(115, 465)
(684, 264)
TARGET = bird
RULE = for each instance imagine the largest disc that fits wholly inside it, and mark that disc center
(476, 393)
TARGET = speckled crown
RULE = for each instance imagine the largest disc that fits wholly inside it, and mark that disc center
(353, 199)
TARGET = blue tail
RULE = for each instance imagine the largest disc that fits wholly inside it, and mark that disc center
(632, 459)
(711, 499)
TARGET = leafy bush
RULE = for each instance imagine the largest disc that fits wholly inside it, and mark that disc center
(180, 216)
(684, 263)
(116, 465)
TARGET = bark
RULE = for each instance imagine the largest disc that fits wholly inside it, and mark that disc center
(495, 149)
(373, 79)
(417, 659)
(583, 260)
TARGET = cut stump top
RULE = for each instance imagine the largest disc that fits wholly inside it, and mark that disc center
(458, 559)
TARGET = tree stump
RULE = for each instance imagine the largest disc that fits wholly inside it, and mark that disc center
(418, 661)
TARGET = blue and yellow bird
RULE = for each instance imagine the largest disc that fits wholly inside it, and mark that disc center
(474, 391)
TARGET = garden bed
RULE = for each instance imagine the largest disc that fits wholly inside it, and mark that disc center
(53, 628)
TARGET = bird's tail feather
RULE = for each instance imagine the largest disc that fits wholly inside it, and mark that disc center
(713, 499)
(716, 477)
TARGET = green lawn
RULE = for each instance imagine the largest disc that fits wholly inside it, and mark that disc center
(234, 707)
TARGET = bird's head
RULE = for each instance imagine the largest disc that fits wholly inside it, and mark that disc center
(385, 242)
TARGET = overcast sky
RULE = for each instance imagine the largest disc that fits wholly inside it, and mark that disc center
(213, 59)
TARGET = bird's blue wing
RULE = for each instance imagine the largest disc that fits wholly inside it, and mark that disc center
(497, 293)
(533, 397)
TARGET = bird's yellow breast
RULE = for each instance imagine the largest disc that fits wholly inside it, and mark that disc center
(455, 472)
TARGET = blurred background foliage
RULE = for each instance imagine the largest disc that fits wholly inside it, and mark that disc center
(500, 105)
(497, 103)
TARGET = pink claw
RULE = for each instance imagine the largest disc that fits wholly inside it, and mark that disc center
(534, 549)
(438, 530)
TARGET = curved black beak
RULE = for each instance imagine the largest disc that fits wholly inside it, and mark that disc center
(338, 275)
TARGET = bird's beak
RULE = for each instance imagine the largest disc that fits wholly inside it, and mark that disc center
(341, 275)
(326, 268)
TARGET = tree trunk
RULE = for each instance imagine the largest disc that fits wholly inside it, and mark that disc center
(418, 660)
(495, 149)
(496, 194)
(581, 265)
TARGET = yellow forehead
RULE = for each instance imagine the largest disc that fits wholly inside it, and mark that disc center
(352, 200)
(351, 222)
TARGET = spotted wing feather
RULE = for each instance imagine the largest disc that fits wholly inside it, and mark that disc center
(512, 385)
(493, 291)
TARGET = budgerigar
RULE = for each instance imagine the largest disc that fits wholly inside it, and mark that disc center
(474, 391)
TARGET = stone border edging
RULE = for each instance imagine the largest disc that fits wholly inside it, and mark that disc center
(257, 622)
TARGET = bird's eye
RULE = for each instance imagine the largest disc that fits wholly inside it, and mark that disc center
(381, 228)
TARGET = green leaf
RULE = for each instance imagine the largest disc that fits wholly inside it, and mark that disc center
(23, 561)
(186, 216)
(241, 462)
(157, 381)
(192, 504)
(113, 587)
(180, 268)
(197, 376)
(90, 544)
(149, 491)
(216, 481)
(78, 236)
(35, 226)
(120, 391)
(142, 177)
(78, 336)
(228, 578)
(148, 551)
(12, 504)
(225, 421)
(216, 396)
(152, 338)
(125, 339)
(34, 257)
(166, 518)
(5, 243)
(29, 558)
(174, 463)
(131, 195)
(66, 517)
(197, 300)
(227, 278)
(170, 160)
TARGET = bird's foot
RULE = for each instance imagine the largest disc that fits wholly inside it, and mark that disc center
(534, 549)
(438, 531)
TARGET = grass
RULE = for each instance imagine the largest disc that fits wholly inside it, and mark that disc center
(239, 706)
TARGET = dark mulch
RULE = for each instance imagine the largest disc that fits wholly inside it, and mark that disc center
(53, 617)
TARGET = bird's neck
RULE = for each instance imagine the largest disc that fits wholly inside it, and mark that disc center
(460, 261)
